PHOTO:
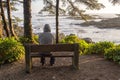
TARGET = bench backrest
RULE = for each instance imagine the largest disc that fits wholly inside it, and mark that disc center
(51, 47)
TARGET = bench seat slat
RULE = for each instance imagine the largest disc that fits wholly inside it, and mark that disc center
(38, 55)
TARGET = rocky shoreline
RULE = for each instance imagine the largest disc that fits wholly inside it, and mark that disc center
(104, 23)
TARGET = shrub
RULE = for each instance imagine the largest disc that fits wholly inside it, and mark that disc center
(23, 39)
(83, 45)
(109, 53)
(10, 50)
(99, 47)
(35, 37)
(74, 39)
(70, 39)
(113, 54)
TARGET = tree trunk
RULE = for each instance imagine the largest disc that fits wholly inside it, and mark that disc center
(27, 20)
(1, 32)
(10, 19)
(4, 20)
(57, 21)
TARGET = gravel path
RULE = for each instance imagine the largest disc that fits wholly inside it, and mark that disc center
(92, 67)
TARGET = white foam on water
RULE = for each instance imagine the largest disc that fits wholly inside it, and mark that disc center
(67, 26)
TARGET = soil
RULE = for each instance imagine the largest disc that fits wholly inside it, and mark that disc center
(92, 67)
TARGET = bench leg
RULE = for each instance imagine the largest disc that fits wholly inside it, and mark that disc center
(28, 64)
(75, 62)
(72, 61)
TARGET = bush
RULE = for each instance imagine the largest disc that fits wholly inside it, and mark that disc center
(83, 45)
(108, 49)
(74, 39)
(35, 38)
(23, 39)
(113, 54)
(70, 39)
(99, 47)
(10, 50)
(109, 53)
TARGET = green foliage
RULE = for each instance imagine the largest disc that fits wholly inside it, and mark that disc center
(35, 37)
(10, 50)
(23, 39)
(99, 47)
(74, 39)
(83, 46)
(113, 54)
(17, 20)
(109, 53)
(108, 49)
(70, 39)
(71, 7)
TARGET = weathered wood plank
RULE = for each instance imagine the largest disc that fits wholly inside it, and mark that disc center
(52, 47)
(76, 57)
(31, 49)
(28, 60)
(38, 55)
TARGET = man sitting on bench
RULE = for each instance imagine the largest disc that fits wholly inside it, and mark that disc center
(46, 38)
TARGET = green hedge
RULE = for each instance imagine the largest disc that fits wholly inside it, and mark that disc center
(74, 39)
(99, 47)
(23, 39)
(113, 54)
(10, 50)
(108, 49)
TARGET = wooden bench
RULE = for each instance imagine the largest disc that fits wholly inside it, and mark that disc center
(32, 49)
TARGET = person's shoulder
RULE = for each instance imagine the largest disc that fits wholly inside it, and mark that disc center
(40, 33)
(45, 33)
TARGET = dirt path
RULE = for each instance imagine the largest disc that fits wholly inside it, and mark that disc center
(92, 67)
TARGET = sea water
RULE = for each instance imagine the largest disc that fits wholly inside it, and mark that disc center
(68, 26)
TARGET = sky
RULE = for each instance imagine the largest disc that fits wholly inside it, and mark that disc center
(38, 4)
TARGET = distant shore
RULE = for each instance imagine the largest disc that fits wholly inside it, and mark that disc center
(104, 23)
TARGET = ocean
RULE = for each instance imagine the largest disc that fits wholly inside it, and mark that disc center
(67, 26)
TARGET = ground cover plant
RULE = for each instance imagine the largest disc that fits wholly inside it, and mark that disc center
(109, 50)
(13, 50)
(113, 54)
(74, 39)
(99, 47)
(10, 50)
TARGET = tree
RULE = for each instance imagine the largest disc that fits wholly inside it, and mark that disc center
(57, 21)
(9, 6)
(27, 20)
(1, 30)
(71, 7)
(115, 1)
(10, 19)
(4, 19)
